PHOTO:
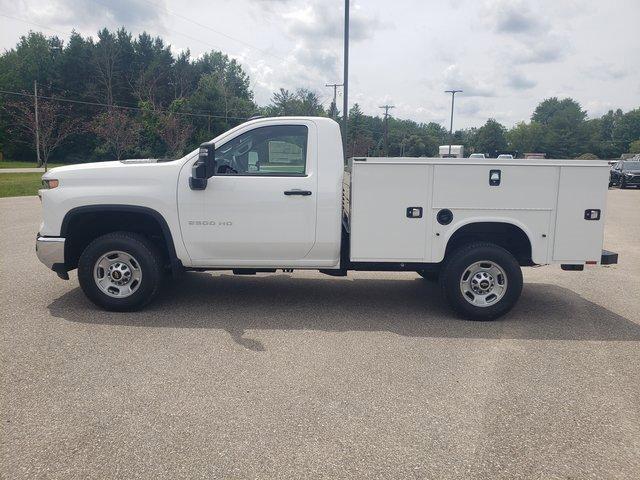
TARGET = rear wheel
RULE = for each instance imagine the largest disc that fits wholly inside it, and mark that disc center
(120, 271)
(481, 281)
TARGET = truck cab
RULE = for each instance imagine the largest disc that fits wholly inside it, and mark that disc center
(274, 193)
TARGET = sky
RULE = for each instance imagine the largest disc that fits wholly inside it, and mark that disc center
(506, 55)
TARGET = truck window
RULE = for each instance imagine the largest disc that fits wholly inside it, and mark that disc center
(278, 150)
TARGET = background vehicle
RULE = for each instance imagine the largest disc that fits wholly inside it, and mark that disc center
(273, 193)
(625, 173)
(457, 151)
(505, 156)
(477, 155)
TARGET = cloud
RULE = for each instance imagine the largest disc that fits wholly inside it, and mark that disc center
(597, 108)
(468, 107)
(453, 77)
(509, 16)
(322, 21)
(316, 32)
(530, 32)
(606, 71)
(512, 17)
(519, 81)
(85, 14)
(543, 50)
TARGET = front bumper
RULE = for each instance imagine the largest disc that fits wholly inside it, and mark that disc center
(633, 180)
(50, 251)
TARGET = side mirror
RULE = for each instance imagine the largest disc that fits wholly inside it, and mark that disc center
(204, 168)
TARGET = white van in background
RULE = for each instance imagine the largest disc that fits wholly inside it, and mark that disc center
(451, 151)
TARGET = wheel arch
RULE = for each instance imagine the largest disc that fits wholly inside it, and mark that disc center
(510, 234)
(107, 218)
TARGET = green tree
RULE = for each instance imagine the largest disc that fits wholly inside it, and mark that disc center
(526, 137)
(118, 132)
(490, 138)
(301, 102)
(563, 123)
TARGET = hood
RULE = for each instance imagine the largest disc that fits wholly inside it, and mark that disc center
(80, 167)
(100, 169)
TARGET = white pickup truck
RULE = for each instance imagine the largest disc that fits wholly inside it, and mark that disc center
(273, 193)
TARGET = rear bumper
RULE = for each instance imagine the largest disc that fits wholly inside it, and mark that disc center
(50, 251)
(606, 258)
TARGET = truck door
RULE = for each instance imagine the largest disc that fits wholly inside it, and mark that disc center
(259, 209)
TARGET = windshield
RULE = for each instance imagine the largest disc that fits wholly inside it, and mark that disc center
(631, 165)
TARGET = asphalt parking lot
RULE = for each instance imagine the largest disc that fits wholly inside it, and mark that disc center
(308, 376)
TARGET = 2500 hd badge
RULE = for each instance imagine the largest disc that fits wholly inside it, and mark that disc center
(210, 223)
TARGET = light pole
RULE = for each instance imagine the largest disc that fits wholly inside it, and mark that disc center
(453, 98)
(345, 79)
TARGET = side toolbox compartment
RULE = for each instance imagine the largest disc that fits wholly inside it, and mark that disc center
(390, 205)
(579, 229)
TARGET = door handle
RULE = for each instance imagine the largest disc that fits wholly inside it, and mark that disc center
(304, 193)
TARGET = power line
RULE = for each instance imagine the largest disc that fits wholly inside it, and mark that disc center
(97, 104)
(202, 25)
(115, 106)
(29, 22)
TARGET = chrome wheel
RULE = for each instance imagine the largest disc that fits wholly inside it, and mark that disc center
(117, 274)
(483, 283)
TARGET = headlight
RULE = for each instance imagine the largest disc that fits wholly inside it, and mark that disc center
(50, 183)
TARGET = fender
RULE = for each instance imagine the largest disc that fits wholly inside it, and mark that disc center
(176, 263)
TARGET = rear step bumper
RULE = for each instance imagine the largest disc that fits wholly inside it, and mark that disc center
(607, 258)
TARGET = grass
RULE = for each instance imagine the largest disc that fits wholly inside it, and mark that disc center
(12, 164)
(19, 184)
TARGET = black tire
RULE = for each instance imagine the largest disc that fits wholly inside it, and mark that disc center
(457, 264)
(148, 259)
(429, 275)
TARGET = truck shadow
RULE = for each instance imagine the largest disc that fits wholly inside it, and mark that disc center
(409, 307)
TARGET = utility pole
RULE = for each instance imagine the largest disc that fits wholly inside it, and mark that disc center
(37, 125)
(335, 93)
(345, 79)
(386, 128)
(453, 97)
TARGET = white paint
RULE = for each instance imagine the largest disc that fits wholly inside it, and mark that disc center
(247, 221)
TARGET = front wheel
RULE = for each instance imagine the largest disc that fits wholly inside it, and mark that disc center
(481, 281)
(120, 271)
